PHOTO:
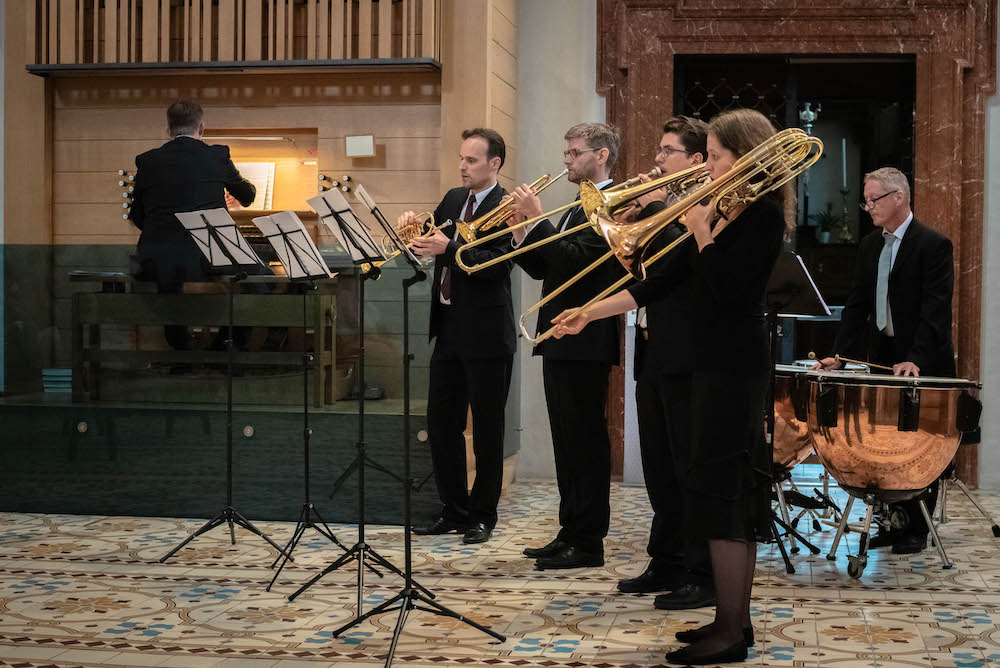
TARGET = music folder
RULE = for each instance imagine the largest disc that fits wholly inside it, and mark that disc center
(293, 245)
(791, 290)
(219, 239)
(353, 234)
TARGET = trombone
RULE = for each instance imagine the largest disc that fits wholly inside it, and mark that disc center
(503, 211)
(645, 187)
(767, 167)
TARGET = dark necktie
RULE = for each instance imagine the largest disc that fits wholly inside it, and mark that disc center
(446, 273)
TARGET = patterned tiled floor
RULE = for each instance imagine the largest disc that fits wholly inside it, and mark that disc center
(88, 591)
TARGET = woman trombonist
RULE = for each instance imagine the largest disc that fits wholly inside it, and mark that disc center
(726, 482)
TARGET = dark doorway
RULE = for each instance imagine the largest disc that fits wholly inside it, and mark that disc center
(864, 115)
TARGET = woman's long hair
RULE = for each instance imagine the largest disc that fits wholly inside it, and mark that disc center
(740, 131)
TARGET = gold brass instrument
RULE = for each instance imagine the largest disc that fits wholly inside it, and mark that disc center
(499, 215)
(644, 187)
(764, 169)
(407, 232)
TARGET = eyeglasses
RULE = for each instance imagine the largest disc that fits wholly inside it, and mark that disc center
(575, 153)
(667, 151)
(870, 204)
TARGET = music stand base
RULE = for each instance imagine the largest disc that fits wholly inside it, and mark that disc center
(408, 599)
(232, 517)
(369, 463)
(305, 522)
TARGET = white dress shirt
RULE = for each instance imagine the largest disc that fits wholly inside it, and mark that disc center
(480, 196)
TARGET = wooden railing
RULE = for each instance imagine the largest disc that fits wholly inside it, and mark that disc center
(81, 32)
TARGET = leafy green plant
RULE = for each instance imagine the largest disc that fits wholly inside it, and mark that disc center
(827, 220)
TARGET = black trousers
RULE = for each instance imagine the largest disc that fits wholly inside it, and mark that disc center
(663, 403)
(456, 384)
(575, 394)
(887, 353)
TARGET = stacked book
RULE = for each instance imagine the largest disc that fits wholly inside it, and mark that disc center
(57, 380)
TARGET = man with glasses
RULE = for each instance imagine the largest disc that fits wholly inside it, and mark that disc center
(575, 372)
(901, 299)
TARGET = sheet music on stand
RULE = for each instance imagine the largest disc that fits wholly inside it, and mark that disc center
(219, 239)
(293, 245)
(353, 234)
(792, 290)
(387, 227)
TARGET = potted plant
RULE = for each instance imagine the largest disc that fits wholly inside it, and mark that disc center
(826, 221)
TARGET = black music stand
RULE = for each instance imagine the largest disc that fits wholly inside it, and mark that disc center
(216, 235)
(304, 265)
(367, 255)
(790, 292)
(412, 595)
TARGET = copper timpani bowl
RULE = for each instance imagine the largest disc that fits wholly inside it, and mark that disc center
(792, 440)
(886, 434)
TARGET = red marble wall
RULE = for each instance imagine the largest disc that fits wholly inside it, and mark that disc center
(954, 43)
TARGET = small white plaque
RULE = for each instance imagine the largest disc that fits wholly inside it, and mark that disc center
(361, 146)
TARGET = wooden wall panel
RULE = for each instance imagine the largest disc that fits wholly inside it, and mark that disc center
(98, 129)
(428, 34)
(365, 29)
(67, 30)
(227, 30)
(385, 28)
(140, 31)
(337, 31)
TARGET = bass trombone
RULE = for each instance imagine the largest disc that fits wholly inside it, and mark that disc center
(765, 168)
(499, 215)
(643, 187)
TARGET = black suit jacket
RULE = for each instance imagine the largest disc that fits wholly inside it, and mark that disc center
(480, 321)
(554, 264)
(668, 297)
(184, 174)
(920, 291)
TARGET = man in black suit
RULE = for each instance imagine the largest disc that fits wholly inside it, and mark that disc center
(472, 323)
(185, 174)
(900, 301)
(575, 371)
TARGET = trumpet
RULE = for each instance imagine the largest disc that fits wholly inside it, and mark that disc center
(471, 269)
(767, 167)
(503, 211)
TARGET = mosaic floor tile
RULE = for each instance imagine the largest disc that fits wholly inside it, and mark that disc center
(90, 591)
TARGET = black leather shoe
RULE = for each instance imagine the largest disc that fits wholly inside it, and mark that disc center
(570, 557)
(685, 656)
(694, 635)
(652, 579)
(546, 550)
(882, 539)
(909, 544)
(477, 533)
(439, 526)
(688, 597)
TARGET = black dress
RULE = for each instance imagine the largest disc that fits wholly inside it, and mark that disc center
(727, 484)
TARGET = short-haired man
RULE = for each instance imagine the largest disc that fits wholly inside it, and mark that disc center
(472, 325)
(185, 174)
(901, 298)
(575, 370)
